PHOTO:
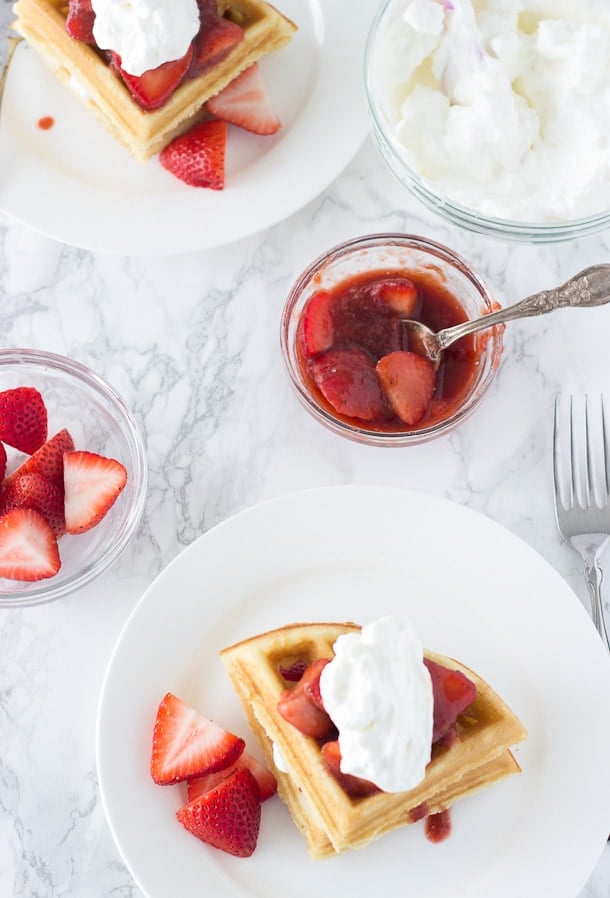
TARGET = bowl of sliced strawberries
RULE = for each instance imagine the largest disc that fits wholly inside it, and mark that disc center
(73, 476)
(347, 350)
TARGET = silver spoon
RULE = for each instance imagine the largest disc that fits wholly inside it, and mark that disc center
(589, 288)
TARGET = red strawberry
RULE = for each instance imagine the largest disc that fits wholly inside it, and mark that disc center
(245, 102)
(216, 38)
(453, 693)
(28, 548)
(152, 89)
(310, 681)
(79, 21)
(198, 157)
(228, 817)
(353, 785)
(3, 460)
(35, 491)
(401, 295)
(186, 744)
(92, 484)
(294, 672)
(409, 381)
(48, 460)
(302, 706)
(348, 381)
(23, 419)
(267, 783)
(318, 328)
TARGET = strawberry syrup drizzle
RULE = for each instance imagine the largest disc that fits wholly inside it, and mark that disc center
(46, 122)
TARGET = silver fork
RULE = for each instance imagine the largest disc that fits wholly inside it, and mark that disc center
(582, 491)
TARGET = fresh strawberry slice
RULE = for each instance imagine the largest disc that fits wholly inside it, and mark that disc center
(409, 382)
(245, 102)
(453, 693)
(401, 295)
(3, 460)
(152, 89)
(92, 484)
(348, 381)
(23, 419)
(28, 548)
(228, 817)
(198, 156)
(186, 744)
(48, 460)
(267, 783)
(318, 327)
(353, 785)
(79, 21)
(217, 37)
(35, 491)
(299, 706)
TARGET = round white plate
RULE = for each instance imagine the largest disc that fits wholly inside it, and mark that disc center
(75, 183)
(473, 590)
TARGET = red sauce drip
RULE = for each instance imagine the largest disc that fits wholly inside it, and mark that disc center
(438, 826)
(46, 122)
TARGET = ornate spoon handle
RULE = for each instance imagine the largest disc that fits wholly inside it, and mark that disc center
(590, 287)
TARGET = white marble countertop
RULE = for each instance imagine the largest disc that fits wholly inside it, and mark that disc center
(191, 343)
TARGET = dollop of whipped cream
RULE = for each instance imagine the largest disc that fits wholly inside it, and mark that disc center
(503, 107)
(378, 693)
(145, 33)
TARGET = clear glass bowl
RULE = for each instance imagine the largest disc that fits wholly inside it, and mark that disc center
(392, 254)
(98, 421)
(471, 219)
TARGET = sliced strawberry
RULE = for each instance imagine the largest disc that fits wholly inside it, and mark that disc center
(298, 706)
(3, 461)
(310, 681)
(198, 157)
(37, 492)
(409, 382)
(79, 21)
(216, 38)
(152, 89)
(318, 327)
(348, 381)
(28, 548)
(453, 693)
(92, 484)
(23, 419)
(401, 295)
(48, 460)
(227, 817)
(267, 783)
(245, 102)
(186, 744)
(353, 785)
(363, 319)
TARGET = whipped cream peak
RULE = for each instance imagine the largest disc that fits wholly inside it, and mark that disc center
(378, 693)
(145, 33)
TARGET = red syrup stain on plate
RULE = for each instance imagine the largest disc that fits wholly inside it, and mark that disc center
(438, 826)
(46, 122)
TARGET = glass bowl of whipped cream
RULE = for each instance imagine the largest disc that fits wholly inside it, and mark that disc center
(496, 114)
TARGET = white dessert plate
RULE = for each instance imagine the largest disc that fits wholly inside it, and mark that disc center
(75, 183)
(473, 590)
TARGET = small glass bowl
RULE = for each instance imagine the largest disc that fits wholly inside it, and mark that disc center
(471, 219)
(98, 421)
(393, 254)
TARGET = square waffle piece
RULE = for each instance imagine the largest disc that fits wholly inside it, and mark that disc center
(42, 24)
(331, 820)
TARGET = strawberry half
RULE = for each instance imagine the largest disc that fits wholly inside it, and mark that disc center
(302, 705)
(92, 484)
(23, 419)
(198, 156)
(401, 295)
(453, 693)
(35, 491)
(409, 382)
(48, 460)
(186, 744)
(216, 38)
(227, 817)
(348, 381)
(79, 21)
(245, 102)
(152, 89)
(318, 327)
(28, 548)
(267, 783)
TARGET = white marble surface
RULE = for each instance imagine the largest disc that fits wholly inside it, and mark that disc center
(192, 344)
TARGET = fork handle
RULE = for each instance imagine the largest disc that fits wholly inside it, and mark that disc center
(593, 578)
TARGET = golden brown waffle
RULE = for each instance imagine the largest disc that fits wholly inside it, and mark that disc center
(330, 820)
(42, 24)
